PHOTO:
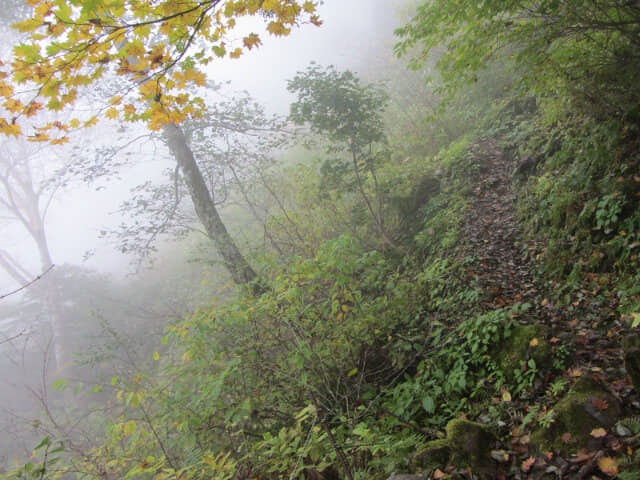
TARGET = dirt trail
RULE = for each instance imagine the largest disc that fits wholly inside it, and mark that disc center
(492, 230)
(503, 270)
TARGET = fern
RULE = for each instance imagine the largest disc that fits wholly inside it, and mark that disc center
(633, 423)
(629, 475)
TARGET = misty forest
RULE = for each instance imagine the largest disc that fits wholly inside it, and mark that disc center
(319, 239)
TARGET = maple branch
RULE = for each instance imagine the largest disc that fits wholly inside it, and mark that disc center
(2, 297)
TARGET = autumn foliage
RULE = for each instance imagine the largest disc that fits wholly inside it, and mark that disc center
(159, 49)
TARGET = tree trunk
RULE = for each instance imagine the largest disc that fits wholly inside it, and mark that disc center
(240, 270)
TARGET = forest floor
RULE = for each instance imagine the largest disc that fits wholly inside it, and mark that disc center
(506, 271)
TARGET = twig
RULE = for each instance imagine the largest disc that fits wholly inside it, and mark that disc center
(332, 439)
(2, 297)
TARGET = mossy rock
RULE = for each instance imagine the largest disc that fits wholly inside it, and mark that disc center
(434, 453)
(468, 445)
(578, 413)
(631, 347)
(518, 348)
(471, 445)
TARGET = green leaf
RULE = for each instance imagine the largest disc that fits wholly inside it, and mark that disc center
(428, 404)
(129, 427)
(45, 441)
(60, 384)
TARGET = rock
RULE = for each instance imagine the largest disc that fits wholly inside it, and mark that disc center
(524, 342)
(434, 453)
(622, 431)
(579, 412)
(470, 444)
(631, 348)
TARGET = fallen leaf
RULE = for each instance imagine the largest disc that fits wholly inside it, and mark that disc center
(544, 302)
(600, 403)
(439, 474)
(534, 342)
(506, 396)
(575, 372)
(608, 466)
(548, 455)
(528, 463)
(581, 456)
(566, 438)
(598, 433)
(554, 340)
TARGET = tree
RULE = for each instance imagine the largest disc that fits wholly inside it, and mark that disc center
(226, 145)
(336, 106)
(158, 49)
(587, 51)
(26, 193)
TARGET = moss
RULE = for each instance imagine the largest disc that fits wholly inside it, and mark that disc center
(470, 445)
(434, 453)
(577, 413)
(631, 346)
(517, 349)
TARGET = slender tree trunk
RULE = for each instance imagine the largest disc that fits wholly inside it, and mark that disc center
(240, 270)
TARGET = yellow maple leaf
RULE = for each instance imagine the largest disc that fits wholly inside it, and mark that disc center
(59, 141)
(38, 137)
(236, 53)
(251, 40)
(111, 113)
(10, 129)
(92, 121)
(13, 105)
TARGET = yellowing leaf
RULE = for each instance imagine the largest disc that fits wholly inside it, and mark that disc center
(608, 466)
(534, 342)
(13, 105)
(39, 137)
(156, 356)
(506, 396)
(252, 40)
(598, 433)
(129, 428)
(60, 141)
(111, 113)
(236, 53)
(92, 121)
(10, 129)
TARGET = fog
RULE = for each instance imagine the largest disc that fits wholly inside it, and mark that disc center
(100, 297)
